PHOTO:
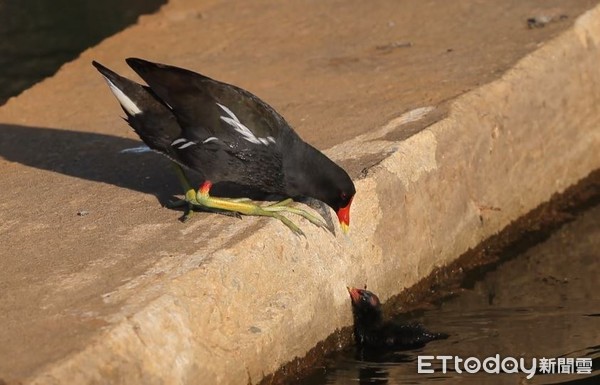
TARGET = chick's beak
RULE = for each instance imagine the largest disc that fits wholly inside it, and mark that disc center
(354, 294)
(344, 217)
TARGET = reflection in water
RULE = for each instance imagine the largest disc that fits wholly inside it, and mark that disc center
(543, 303)
(38, 36)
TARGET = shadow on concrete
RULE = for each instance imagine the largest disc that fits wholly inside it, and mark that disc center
(99, 158)
(91, 156)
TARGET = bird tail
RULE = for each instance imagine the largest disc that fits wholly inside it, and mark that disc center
(150, 117)
(129, 94)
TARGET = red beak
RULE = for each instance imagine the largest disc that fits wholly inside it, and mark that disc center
(344, 216)
(354, 293)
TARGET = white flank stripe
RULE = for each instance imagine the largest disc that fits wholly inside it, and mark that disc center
(241, 128)
(229, 112)
(177, 141)
(127, 103)
(211, 139)
(271, 139)
(186, 145)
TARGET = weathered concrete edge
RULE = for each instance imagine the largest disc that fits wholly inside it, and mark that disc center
(504, 148)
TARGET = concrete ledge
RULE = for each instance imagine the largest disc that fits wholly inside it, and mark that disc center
(237, 309)
(261, 301)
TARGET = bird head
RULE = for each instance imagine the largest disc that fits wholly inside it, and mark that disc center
(334, 189)
(366, 307)
(312, 174)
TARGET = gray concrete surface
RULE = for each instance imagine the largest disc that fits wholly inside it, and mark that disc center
(128, 295)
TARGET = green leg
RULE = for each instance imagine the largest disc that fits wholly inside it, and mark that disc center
(237, 206)
(190, 198)
(273, 210)
(190, 194)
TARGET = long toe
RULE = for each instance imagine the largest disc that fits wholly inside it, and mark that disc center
(248, 208)
(176, 203)
(311, 218)
(285, 202)
(295, 229)
(187, 214)
(303, 213)
(227, 213)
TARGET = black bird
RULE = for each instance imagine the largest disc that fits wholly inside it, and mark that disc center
(371, 332)
(227, 134)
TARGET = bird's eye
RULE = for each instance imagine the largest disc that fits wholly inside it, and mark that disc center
(343, 195)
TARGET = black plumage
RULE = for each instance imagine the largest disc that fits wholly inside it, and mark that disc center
(372, 332)
(226, 134)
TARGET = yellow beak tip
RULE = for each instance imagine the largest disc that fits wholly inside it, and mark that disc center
(345, 228)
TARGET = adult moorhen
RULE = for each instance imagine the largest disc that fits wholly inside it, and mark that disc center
(227, 134)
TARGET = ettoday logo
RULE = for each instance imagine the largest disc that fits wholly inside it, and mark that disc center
(496, 364)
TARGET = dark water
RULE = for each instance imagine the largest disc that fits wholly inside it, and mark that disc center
(543, 303)
(38, 36)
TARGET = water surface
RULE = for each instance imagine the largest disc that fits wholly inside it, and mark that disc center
(544, 302)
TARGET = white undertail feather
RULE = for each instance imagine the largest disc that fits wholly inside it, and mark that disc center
(127, 103)
(136, 150)
(248, 135)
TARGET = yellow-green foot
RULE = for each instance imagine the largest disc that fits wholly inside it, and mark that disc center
(201, 200)
(190, 204)
(246, 207)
